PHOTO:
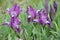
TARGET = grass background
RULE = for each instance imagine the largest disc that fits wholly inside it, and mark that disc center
(6, 33)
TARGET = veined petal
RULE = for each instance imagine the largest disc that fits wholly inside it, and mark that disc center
(6, 23)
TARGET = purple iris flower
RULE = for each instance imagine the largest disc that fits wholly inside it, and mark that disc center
(14, 10)
(43, 17)
(31, 13)
(55, 5)
(14, 22)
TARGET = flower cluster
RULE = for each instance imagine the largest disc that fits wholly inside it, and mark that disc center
(14, 23)
(41, 16)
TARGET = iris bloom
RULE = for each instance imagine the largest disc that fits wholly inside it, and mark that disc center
(31, 13)
(43, 17)
(14, 11)
(14, 21)
(15, 24)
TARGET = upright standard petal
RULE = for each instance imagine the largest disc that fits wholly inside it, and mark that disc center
(55, 5)
(51, 12)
